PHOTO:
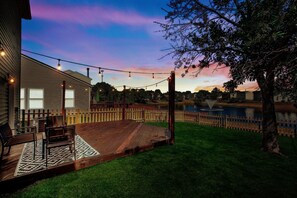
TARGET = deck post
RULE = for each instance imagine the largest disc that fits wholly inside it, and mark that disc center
(124, 103)
(28, 118)
(23, 118)
(171, 117)
(63, 99)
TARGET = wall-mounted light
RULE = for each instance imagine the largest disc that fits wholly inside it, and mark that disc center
(11, 79)
(59, 67)
(2, 52)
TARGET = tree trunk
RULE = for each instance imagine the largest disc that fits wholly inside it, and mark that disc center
(269, 124)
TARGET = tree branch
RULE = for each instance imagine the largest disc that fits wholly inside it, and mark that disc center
(217, 13)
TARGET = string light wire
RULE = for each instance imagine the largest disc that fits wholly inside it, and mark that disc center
(93, 66)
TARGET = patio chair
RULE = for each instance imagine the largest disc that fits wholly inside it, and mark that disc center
(7, 139)
(55, 121)
(57, 137)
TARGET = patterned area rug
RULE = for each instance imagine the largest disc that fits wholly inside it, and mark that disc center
(57, 156)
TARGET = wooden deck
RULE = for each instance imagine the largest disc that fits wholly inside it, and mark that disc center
(110, 139)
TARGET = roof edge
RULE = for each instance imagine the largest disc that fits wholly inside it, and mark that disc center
(56, 70)
(26, 9)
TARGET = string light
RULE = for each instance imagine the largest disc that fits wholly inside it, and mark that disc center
(99, 71)
(92, 66)
(59, 65)
(2, 52)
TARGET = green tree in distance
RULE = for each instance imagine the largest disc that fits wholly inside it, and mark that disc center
(104, 92)
(256, 39)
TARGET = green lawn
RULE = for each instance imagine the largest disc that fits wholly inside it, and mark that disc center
(204, 162)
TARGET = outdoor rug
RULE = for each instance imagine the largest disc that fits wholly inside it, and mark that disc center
(58, 155)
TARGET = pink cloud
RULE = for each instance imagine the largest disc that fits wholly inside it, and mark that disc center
(86, 15)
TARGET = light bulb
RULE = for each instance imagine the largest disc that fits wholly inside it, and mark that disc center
(59, 67)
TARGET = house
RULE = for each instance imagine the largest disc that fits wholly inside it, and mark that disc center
(257, 96)
(11, 14)
(242, 95)
(41, 87)
(281, 98)
(238, 95)
(249, 96)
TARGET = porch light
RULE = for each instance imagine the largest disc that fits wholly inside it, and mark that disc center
(11, 79)
(59, 67)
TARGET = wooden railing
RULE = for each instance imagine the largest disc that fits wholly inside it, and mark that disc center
(285, 128)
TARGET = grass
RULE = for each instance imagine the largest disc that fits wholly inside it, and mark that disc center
(204, 162)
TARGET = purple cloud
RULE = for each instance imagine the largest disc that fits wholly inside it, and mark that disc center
(86, 15)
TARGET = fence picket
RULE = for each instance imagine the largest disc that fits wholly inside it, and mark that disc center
(285, 127)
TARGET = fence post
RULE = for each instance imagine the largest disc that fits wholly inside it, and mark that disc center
(171, 86)
(143, 115)
(259, 125)
(295, 130)
(124, 103)
(226, 121)
(77, 116)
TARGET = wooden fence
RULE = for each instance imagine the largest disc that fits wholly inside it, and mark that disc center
(285, 128)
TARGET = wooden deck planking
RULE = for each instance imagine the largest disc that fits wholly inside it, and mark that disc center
(110, 139)
(10, 162)
(106, 137)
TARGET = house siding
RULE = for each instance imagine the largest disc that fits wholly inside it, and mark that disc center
(41, 76)
(10, 37)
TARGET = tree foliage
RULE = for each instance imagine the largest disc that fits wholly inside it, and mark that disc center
(256, 39)
(251, 37)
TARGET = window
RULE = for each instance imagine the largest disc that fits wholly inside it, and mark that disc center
(35, 98)
(69, 98)
(22, 98)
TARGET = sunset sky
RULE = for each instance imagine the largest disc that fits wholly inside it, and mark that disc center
(118, 34)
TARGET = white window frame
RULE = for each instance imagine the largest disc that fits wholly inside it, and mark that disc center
(67, 98)
(36, 99)
(22, 98)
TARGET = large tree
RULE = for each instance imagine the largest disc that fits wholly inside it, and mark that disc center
(256, 39)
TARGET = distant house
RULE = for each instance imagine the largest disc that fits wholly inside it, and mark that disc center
(257, 96)
(281, 98)
(11, 13)
(249, 96)
(242, 95)
(41, 87)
